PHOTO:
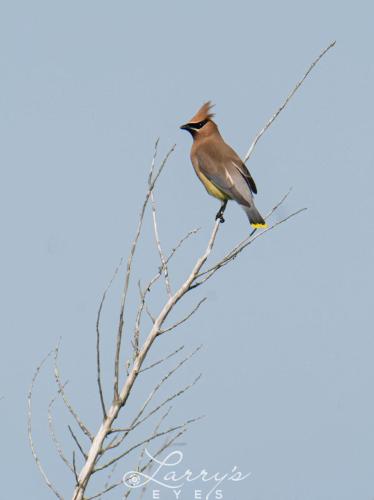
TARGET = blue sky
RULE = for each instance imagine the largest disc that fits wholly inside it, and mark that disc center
(86, 89)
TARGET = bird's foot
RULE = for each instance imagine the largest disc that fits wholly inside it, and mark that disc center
(221, 212)
(220, 217)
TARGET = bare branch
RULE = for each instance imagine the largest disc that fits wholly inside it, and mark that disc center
(82, 426)
(169, 399)
(240, 247)
(166, 445)
(135, 342)
(286, 101)
(98, 363)
(277, 205)
(148, 440)
(96, 447)
(29, 429)
(106, 485)
(128, 273)
(155, 431)
(75, 469)
(151, 183)
(105, 490)
(245, 243)
(142, 305)
(54, 437)
(162, 360)
(164, 266)
(186, 318)
(136, 421)
(233, 250)
(150, 315)
(181, 241)
(147, 289)
(77, 442)
(161, 405)
(141, 456)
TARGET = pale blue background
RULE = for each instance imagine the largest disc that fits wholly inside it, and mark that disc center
(86, 87)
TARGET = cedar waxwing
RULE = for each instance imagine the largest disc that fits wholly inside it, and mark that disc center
(219, 168)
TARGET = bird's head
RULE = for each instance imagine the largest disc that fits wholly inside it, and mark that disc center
(201, 125)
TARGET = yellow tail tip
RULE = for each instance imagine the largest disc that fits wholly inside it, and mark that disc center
(258, 226)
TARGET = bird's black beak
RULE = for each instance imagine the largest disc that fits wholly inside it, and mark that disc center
(185, 127)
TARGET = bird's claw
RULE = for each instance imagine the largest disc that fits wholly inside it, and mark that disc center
(220, 217)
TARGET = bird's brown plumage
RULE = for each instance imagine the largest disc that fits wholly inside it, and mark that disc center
(203, 113)
(218, 166)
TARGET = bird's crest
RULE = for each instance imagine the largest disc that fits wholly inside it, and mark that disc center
(203, 113)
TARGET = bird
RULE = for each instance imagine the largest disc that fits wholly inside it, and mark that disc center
(219, 167)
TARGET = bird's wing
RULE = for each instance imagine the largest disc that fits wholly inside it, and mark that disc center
(230, 154)
(223, 172)
(245, 173)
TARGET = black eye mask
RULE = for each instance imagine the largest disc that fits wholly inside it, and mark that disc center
(198, 125)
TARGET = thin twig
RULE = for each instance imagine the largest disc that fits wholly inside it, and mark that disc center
(149, 314)
(77, 442)
(142, 453)
(136, 421)
(98, 363)
(161, 405)
(135, 342)
(106, 485)
(82, 426)
(269, 214)
(105, 490)
(234, 249)
(239, 248)
(127, 277)
(148, 440)
(166, 445)
(277, 205)
(29, 428)
(285, 102)
(53, 435)
(155, 431)
(75, 469)
(162, 360)
(151, 183)
(181, 241)
(142, 304)
(186, 318)
(164, 266)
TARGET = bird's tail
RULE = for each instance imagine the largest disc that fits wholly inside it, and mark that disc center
(254, 217)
